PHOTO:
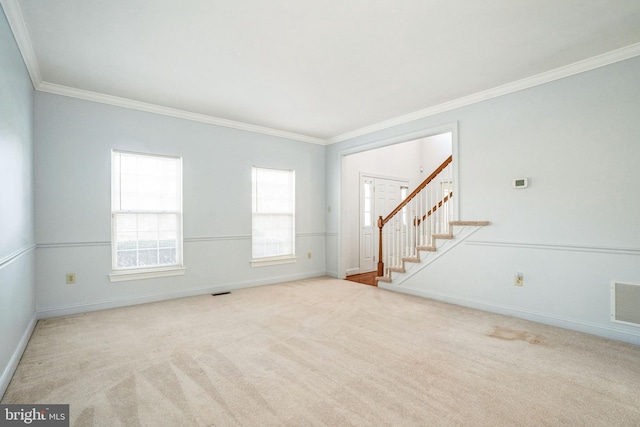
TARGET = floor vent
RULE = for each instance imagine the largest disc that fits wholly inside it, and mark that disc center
(625, 303)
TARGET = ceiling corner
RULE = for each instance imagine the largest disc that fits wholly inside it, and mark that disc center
(16, 21)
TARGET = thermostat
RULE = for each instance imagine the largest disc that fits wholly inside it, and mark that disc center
(521, 183)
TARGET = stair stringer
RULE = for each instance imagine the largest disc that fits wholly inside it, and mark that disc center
(460, 234)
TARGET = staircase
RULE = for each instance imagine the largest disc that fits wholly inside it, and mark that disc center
(421, 225)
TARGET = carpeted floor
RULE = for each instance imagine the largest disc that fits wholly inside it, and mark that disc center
(324, 352)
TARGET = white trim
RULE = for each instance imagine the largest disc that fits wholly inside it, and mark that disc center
(145, 273)
(215, 238)
(451, 127)
(11, 367)
(374, 175)
(117, 209)
(128, 301)
(560, 247)
(55, 245)
(86, 95)
(455, 173)
(276, 260)
(588, 64)
(547, 319)
(281, 254)
(19, 29)
(71, 245)
(20, 33)
(405, 137)
(14, 256)
(605, 59)
(332, 273)
(310, 234)
(403, 183)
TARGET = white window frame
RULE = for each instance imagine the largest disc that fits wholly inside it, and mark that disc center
(283, 258)
(120, 274)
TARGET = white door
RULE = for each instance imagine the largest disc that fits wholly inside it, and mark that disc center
(378, 197)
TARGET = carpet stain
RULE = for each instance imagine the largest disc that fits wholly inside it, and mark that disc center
(507, 334)
(321, 352)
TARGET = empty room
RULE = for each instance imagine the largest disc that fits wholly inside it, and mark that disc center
(240, 213)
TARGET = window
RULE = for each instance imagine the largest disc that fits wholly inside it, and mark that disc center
(273, 216)
(367, 208)
(404, 191)
(146, 215)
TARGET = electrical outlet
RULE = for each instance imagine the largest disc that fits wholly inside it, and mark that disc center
(71, 278)
(518, 280)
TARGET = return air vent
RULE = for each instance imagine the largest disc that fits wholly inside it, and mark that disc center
(625, 303)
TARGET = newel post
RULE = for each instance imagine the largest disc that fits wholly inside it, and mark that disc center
(380, 263)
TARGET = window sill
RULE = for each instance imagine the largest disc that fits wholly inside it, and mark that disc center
(145, 273)
(263, 262)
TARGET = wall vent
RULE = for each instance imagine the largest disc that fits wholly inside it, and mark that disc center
(625, 303)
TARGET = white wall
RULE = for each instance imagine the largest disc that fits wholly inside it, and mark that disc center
(17, 284)
(573, 231)
(73, 141)
(403, 161)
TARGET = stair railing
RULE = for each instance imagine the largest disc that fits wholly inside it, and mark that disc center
(410, 227)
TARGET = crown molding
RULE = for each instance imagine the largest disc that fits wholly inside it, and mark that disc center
(172, 112)
(608, 58)
(16, 22)
(21, 34)
(18, 27)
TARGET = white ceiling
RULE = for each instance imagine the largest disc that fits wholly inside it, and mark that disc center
(311, 70)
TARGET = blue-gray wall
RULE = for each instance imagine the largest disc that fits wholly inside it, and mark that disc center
(17, 284)
(572, 232)
(74, 139)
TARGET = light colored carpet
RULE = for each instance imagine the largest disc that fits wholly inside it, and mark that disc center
(324, 352)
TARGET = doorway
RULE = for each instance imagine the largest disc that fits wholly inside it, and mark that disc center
(378, 197)
(410, 158)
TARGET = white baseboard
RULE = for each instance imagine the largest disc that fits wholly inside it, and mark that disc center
(11, 367)
(332, 273)
(545, 318)
(124, 302)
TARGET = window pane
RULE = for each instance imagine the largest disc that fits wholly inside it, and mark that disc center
(367, 204)
(273, 213)
(142, 234)
(146, 210)
(274, 191)
(145, 183)
(147, 258)
(127, 259)
(167, 256)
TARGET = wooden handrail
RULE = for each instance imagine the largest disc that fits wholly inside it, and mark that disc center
(383, 221)
(433, 209)
(415, 192)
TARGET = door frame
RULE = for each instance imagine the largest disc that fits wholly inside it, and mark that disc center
(403, 183)
(338, 240)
